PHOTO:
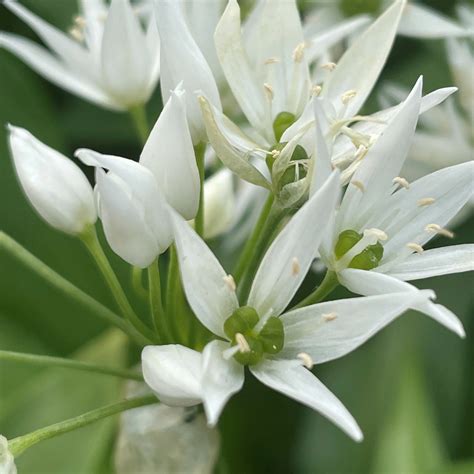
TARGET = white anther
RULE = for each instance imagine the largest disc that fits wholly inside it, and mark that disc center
(230, 282)
(348, 96)
(306, 359)
(329, 66)
(437, 229)
(79, 20)
(268, 89)
(359, 185)
(316, 90)
(426, 201)
(401, 182)
(275, 153)
(76, 33)
(416, 247)
(295, 266)
(242, 343)
(377, 233)
(298, 53)
(271, 61)
(329, 316)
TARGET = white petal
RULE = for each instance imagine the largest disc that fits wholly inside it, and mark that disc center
(54, 185)
(221, 378)
(288, 259)
(124, 57)
(93, 11)
(181, 60)
(419, 21)
(361, 64)
(204, 279)
(169, 155)
(298, 383)
(440, 261)
(173, 372)
(330, 330)
(373, 283)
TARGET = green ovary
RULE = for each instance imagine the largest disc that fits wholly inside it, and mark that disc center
(269, 340)
(282, 121)
(368, 259)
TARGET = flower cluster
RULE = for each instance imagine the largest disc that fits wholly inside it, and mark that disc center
(303, 177)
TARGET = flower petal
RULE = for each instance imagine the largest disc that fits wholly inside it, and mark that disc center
(169, 155)
(173, 372)
(369, 283)
(288, 259)
(440, 261)
(361, 64)
(300, 384)
(221, 378)
(204, 279)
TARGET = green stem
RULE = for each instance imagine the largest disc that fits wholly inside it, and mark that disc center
(251, 242)
(264, 236)
(18, 445)
(174, 309)
(66, 287)
(137, 283)
(138, 116)
(49, 361)
(327, 286)
(91, 241)
(156, 304)
(199, 151)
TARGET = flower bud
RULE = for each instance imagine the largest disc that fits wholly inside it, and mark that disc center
(54, 185)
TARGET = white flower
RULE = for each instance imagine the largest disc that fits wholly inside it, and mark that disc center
(55, 186)
(384, 220)
(183, 62)
(7, 461)
(134, 197)
(277, 347)
(107, 59)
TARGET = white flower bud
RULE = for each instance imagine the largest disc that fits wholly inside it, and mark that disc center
(7, 461)
(54, 185)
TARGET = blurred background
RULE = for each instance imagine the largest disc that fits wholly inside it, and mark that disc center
(411, 388)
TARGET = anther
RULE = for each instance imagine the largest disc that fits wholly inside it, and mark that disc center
(437, 229)
(348, 96)
(230, 282)
(306, 359)
(316, 90)
(416, 247)
(401, 182)
(275, 153)
(329, 316)
(242, 343)
(76, 33)
(329, 66)
(359, 185)
(298, 53)
(269, 90)
(426, 201)
(377, 233)
(79, 21)
(271, 61)
(295, 266)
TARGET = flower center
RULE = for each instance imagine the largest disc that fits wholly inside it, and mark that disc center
(254, 340)
(367, 259)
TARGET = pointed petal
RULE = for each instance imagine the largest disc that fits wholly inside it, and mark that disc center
(182, 60)
(169, 155)
(441, 261)
(124, 57)
(173, 372)
(221, 378)
(362, 63)
(288, 259)
(301, 385)
(369, 283)
(204, 279)
(332, 329)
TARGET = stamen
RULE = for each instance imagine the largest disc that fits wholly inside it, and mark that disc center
(79, 21)
(377, 233)
(416, 247)
(359, 185)
(348, 96)
(426, 201)
(329, 316)
(437, 229)
(306, 359)
(269, 90)
(275, 153)
(329, 66)
(298, 53)
(230, 282)
(295, 266)
(316, 90)
(356, 137)
(242, 343)
(229, 353)
(401, 181)
(76, 33)
(272, 61)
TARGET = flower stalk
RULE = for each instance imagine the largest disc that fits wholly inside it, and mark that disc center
(140, 122)
(156, 303)
(199, 151)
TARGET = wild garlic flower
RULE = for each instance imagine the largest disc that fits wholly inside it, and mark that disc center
(7, 461)
(107, 57)
(55, 186)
